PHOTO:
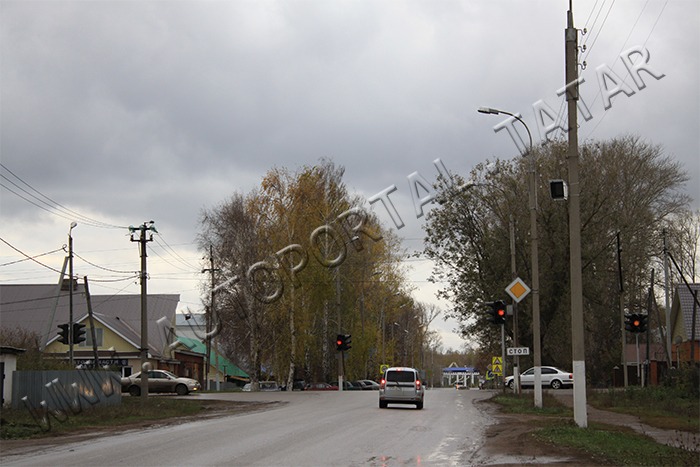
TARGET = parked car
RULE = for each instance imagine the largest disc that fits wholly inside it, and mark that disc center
(320, 387)
(348, 386)
(367, 384)
(160, 381)
(551, 376)
(262, 386)
(401, 385)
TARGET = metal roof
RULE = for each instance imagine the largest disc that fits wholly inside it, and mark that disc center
(40, 308)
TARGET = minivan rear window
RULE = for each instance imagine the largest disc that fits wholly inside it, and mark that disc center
(401, 376)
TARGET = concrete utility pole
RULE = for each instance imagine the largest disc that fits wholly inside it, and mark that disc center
(578, 352)
(143, 228)
(209, 318)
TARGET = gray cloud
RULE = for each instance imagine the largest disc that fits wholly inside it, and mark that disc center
(134, 111)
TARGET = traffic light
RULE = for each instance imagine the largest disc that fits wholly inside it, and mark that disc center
(64, 334)
(636, 322)
(500, 312)
(343, 342)
(78, 333)
(497, 312)
(642, 322)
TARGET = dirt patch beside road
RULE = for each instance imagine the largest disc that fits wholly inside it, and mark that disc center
(510, 442)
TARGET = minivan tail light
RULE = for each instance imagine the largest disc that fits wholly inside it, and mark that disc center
(382, 383)
(417, 384)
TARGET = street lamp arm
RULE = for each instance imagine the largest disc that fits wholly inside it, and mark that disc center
(492, 111)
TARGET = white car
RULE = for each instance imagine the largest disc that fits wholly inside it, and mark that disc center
(401, 385)
(551, 376)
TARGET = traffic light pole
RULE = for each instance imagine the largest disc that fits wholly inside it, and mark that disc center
(503, 356)
(70, 296)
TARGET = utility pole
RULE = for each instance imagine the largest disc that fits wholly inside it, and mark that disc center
(70, 295)
(209, 318)
(578, 353)
(142, 240)
(95, 353)
(667, 303)
(622, 309)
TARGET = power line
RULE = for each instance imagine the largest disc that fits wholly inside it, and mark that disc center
(102, 267)
(33, 257)
(166, 247)
(28, 257)
(48, 203)
(658, 17)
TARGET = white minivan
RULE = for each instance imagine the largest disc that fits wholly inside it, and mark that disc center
(401, 385)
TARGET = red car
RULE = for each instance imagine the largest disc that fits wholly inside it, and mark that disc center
(320, 387)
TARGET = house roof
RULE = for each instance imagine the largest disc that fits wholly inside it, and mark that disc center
(191, 319)
(684, 299)
(40, 308)
(199, 347)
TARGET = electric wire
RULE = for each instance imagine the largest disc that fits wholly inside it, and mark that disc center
(62, 211)
(599, 31)
(27, 256)
(63, 248)
(102, 267)
(166, 247)
(599, 94)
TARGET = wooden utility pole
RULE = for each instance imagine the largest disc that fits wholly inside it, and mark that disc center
(209, 322)
(95, 353)
(142, 240)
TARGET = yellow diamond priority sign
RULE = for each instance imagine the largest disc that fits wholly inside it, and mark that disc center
(518, 289)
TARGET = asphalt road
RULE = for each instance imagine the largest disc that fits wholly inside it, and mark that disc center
(307, 429)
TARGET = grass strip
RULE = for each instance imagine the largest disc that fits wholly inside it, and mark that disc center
(614, 445)
(19, 424)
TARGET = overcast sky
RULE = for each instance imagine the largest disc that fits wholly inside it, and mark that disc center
(125, 112)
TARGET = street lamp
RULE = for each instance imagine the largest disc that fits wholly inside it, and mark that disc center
(534, 259)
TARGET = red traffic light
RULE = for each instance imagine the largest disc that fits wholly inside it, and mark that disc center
(342, 342)
(497, 313)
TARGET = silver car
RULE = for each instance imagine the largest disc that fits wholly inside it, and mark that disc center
(160, 381)
(401, 385)
(551, 376)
